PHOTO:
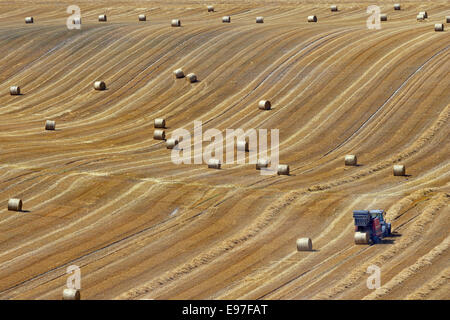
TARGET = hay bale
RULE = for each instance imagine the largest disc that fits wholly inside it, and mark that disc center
(226, 19)
(171, 143)
(102, 18)
(399, 170)
(76, 20)
(283, 169)
(29, 20)
(262, 163)
(397, 6)
(191, 77)
(362, 237)
(383, 17)
(304, 244)
(214, 163)
(210, 9)
(178, 73)
(160, 123)
(242, 145)
(259, 20)
(420, 17)
(99, 85)
(439, 27)
(350, 160)
(71, 294)
(15, 204)
(334, 8)
(14, 90)
(175, 23)
(312, 18)
(142, 17)
(50, 125)
(264, 105)
(159, 135)
(424, 13)
(447, 19)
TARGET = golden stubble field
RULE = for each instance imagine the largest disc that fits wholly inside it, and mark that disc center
(100, 193)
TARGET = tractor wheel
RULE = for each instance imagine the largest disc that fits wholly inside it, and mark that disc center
(362, 238)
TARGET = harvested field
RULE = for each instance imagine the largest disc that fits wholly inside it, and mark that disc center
(100, 193)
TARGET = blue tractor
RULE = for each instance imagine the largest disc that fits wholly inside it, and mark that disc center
(370, 226)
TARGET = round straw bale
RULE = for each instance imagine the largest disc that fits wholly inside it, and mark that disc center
(312, 18)
(102, 18)
(424, 13)
(283, 169)
(383, 17)
(264, 105)
(420, 17)
(210, 9)
(226, 19)
(50, 125)
(76, 20)
(447, 19)
(397, 6)
(29, 20)
(159, 135)
(171, 143)
(334, 8)
(99, 85)
(160, 123)
(259, 20)
(439, 27)
(142, 17)
(262, 163)
(214, 163)
(191, 77)
(399, 170)
(175, 23)
(71, 294)
(362, 237)
(350, 160)
(304, 244)
(242, 145)
(178, 73)
(14, 90)
(15, 205)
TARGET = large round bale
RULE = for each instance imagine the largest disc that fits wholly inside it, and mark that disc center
(304, 244)
(210, 8)
(142, 17)
(99, 85)
(14, 90)
(178, 73)
(15, 204)
(102, 18)
(420, 17)
(264, 105)
(399, 170)
(159, 123)
(439, 27)
(397, 6)
(383, 17)
(226, 19)
(50, 125)
(362, 237)
(159, 135)
(447, 19)
(71, 294)
(350, 160)
(29, 20)
(242, 145)
(175, 23)
(171, 143)
(214, 163)
(259, 20)
(424, 13)
(334, 8)
(191, 77)
(283, 169)
(262, 163)
(312, 18)
(76, 20)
